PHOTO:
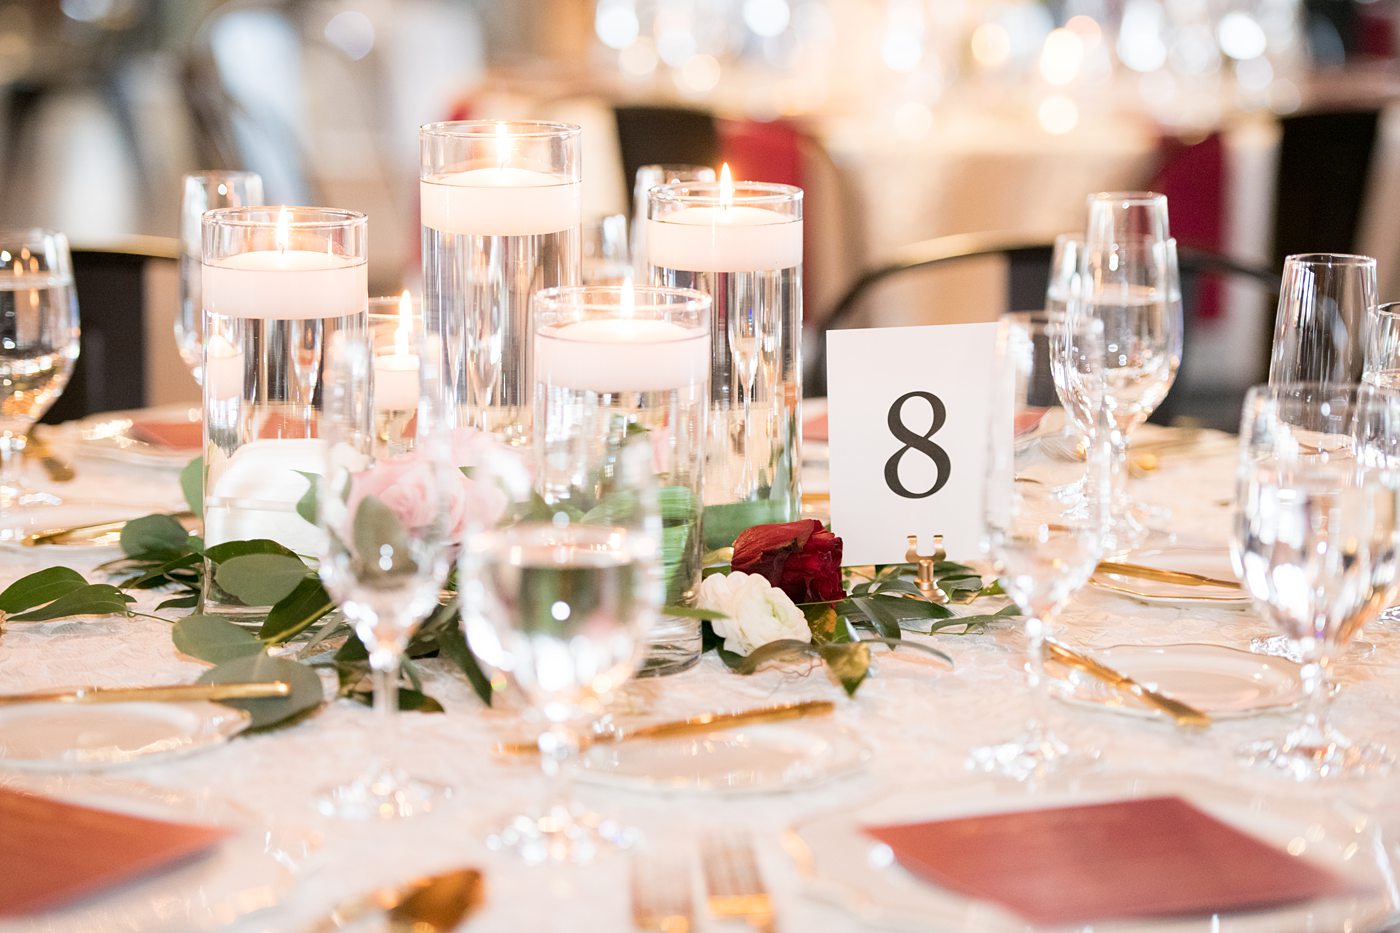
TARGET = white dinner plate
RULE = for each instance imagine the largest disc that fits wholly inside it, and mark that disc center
(253, 869)
(844, 866)
(109, 436)
(1210, 561)
(1225, 682)
(70, 514)
(759, 759)
(93, 736)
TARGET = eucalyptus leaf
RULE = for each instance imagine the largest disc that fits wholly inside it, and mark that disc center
(93, 599)
(261, 579)
(179, 602)
(455, 649)
(160, 574)
(154, 534)
(379, 533)
(883, 617)
(219, 553)
(306, 694)
(40, 587)
(693, 612)
(296, 612)
(306, 505)
(213, 638)
(192, 485)
(784, 649)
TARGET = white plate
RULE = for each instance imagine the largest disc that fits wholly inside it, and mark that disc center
(255, 868)
(844, 866)
(1210, 561)
(72, 513)
(92, 736)
(1225, 682)
(109, 436)
(759, 759)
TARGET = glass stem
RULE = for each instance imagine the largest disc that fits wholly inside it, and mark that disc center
(1317, 696)
(11, 463)
(385, 665)
(1037, 718)
(1117, 472)
(558, 745)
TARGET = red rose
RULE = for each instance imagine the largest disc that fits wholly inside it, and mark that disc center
(803, 559)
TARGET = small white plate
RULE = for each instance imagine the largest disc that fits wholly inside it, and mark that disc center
(759, 759)
(1225, 682)
(71, 514)
(109, 436)
(92, 736)
(1210, 561)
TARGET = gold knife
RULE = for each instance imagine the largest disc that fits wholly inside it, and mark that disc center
(38, 448)
(1181, 577)
(706, 722)
(176, 693)
(95, 534)
(1183, 713)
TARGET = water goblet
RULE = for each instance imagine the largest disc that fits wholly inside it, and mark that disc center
(1325, 301)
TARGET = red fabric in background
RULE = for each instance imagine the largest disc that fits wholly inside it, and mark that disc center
(1193, 179)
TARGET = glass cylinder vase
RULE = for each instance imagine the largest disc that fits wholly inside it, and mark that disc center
(501, 210)
(616, 366)
(278, 284)
(741, 244)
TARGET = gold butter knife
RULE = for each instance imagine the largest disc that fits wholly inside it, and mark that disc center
(95, 534)
(1183, 713)
(38, 448)
(172, 693)
(707, 722)
(1181, 577)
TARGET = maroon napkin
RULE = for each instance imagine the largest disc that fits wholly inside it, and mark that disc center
(1159, 857)
(52, 853)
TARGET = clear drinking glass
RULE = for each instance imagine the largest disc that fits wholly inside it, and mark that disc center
(562, 601)
(1129, 281)
(38, 348)
(1382, 358)
(1316, 545)
(1324, 303)
(606, 256)
(648, 177)
(1043, 549)
(200, 192)
(389, 518)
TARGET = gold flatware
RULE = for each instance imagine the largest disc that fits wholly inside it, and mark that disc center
(661, 899)
(37, 448)
(96, 534)
(1183, 713)
(733, 883)
(172, 693)
(706, 722)
(1182, 577)
(430, 904)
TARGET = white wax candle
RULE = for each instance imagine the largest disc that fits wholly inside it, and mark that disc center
(740, 238)
(396, 382)
(223, 368)
(500, 202)
(290, 285)
(622, 355)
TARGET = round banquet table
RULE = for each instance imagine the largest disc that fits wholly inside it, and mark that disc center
(918, 717)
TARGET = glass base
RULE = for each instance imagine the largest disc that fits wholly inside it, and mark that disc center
(673, 645)
(1281, 646)
(1033, 755)
(563, 836)
(1312, 757)
(385, 794)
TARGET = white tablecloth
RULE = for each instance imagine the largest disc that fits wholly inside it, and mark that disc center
(919, 718)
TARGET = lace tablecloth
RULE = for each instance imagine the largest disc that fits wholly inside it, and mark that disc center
(918, 717)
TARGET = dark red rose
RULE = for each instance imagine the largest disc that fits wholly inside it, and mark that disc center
(803, 559)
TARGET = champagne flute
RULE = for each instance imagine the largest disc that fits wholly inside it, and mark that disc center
(388, 515)
(1316, 545)
(39, 338)
(560, 596)
(1324, 303)
(200, 192)
(1042, 548)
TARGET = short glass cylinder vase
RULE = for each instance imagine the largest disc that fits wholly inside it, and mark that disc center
(741, 244)
(617, 366)
(501, 206)
(278, 284)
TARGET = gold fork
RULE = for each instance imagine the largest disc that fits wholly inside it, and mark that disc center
(661, 901)
(732, 880)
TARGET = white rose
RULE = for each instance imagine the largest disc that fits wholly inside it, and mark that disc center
(757, 612)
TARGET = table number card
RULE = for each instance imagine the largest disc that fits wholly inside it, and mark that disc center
(909, 409)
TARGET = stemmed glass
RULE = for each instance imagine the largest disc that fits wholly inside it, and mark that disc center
(755, 334)
(1325, 300)
(389, 515)
(1042, 548)
(561, 596)
(38, 347)
(1129, 281)
(200, 192)
(1317, 545)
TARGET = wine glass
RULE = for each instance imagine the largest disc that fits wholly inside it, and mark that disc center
(560, 596)
(1381, 365)
(200, 192)
(1324, 302)
(648, 177)
(606, 259)
(38, 347)
(388, 515)
(1043, 549)
(1129, 280)
(1316, 545)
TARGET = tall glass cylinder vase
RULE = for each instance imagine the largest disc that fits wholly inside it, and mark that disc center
(501, 210)
(741, 244)
(617, 366)
(278, 284)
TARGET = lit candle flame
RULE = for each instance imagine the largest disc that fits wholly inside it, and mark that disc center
(404, 334)
(502, 145)
(284, 229)
(726, 187)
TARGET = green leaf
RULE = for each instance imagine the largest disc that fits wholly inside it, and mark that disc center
(213, 638)
(295, 613)
(415, 701)
(455, 649)
(880, 614)
(353, 651)
(179, 602)
(192, 485)
(159, 575)
(306, 692)
(377, 528)
(40, 587)
(261, 579)
(847, 663)
(306, 505)
(154, 534)
(784, 649)
(93, 599)
(693, 612)
(219, 553)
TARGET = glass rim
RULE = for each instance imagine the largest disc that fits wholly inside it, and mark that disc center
(575, 296)
(490, 129)
(311, 218)
(1127, 197)
(669, 167)
(30, 233)
(221, 173)
(708, 193)
(1388, 307)
(1328, 259)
